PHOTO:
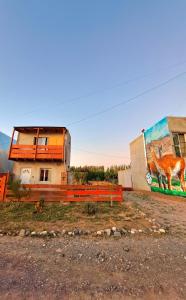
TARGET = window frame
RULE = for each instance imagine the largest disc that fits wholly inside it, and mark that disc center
(46, 175)
(36, 139)
(181, 149)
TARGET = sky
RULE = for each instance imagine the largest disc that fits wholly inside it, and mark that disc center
(69, 63)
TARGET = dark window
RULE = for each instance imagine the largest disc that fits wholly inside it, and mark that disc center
(179, 144)
(44, 175)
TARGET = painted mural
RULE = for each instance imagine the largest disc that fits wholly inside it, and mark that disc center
(5, 164)
(166, 172)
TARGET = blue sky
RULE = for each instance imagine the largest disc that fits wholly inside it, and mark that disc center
(61, 61)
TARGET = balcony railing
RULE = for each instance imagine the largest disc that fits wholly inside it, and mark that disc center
(36, 152)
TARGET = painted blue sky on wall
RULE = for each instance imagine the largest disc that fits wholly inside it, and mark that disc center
(158, 131)
(4, 141)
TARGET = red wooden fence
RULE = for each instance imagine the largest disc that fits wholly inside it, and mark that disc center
(3, 184)
(74, 193)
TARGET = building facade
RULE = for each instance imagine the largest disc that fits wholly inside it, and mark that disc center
(158, 156)
(41, 155)
(138, 164)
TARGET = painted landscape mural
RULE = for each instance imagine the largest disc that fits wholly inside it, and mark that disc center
(5, 164)
(166, 172)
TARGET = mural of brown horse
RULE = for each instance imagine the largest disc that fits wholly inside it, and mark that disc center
(154, 171)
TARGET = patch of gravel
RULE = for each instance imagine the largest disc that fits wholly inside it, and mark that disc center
(100, 268)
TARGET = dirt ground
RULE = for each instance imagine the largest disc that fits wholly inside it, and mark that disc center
(169, 211)
(132, 267)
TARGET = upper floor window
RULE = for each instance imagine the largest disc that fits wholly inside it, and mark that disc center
(179, 140)
(40, 141)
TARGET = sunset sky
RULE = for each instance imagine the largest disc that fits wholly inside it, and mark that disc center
(69, 63)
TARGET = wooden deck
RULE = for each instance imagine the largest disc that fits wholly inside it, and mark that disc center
(36, 152)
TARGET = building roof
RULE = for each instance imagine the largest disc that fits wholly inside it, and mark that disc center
(23, 129)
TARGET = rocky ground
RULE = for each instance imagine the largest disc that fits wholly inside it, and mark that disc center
(145, 265)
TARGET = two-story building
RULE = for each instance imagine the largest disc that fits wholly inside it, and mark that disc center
(41, 154)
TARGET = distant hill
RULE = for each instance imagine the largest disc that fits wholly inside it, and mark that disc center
(5, 164)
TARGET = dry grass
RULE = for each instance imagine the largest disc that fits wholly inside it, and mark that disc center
(58, 216)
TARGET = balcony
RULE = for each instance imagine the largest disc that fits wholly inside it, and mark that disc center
(36, 152)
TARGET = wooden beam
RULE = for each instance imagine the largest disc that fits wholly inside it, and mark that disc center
(64, 154)
(11, 143)
(36, 142)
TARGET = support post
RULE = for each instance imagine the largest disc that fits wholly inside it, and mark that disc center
(111, 202)
(63, 132)
(5, 187)
(10, 149)
(36, 143)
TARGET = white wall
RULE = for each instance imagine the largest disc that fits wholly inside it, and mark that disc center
(138, 164)
(56, 171)
(125, 178)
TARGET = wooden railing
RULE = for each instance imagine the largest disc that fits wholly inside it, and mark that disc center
(74, 193)
(36, 152)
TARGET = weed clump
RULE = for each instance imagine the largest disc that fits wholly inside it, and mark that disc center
(18, 190)
(91, 208)
(39, 205)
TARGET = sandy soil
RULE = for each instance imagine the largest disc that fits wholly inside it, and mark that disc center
(133, 267)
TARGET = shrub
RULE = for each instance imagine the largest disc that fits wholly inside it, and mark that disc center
(91, 208)
(18, 190)
(81, 177)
